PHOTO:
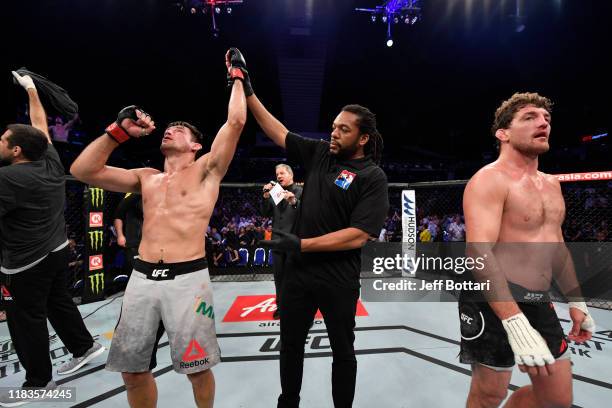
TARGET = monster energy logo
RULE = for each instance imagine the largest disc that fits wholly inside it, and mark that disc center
(97, 282)
(97, 196)
(96, 239)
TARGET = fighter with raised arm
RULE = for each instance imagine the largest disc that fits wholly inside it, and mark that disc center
(513, 217)
(170, 287)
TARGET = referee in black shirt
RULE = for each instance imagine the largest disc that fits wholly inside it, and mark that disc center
(344, 202)
(34, 250)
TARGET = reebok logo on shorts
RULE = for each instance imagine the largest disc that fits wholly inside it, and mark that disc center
(194, 356)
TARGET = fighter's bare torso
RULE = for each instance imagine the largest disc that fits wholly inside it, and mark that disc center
(533, 211)
(177, 208)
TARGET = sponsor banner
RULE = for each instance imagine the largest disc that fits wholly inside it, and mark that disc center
(590, 176)
(96, 240)
(96, 219)
(94, 279)
(409, 229)
(96, 198)
(96, 283)
(96, 262)
(262, 307)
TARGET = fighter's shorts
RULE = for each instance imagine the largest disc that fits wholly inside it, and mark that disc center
(484, 340)
(177, 298)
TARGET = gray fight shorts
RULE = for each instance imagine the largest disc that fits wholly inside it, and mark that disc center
(172, 297)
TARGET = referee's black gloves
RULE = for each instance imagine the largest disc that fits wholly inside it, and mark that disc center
(282, 241)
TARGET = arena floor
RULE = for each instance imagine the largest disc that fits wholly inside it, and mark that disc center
(407, 357)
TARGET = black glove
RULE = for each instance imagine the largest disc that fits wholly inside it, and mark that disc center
(238, 71)
(115, 130)
(283, 241)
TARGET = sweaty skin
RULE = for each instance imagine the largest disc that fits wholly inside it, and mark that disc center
(178, 202)
(177, 208)
(532, 211)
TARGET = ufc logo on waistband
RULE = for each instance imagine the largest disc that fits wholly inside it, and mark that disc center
(159, 272)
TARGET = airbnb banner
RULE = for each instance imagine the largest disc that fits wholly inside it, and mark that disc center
(261, 307)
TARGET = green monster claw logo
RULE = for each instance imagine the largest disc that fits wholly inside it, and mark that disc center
(97, 196)
(97, 282)
(96, 238)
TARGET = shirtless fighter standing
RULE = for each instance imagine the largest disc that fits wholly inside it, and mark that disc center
(170, 287)
(513, 217)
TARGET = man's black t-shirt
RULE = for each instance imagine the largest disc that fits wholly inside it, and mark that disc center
(337, 194)
(32, 197)
(129, 211)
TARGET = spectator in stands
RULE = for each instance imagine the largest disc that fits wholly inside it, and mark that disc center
(231, 255)
(214, 234)
(433, 227)
(217, 254)
(425, 233)
(60, 131)
(268, 233)
(243, 237)
(456, 229)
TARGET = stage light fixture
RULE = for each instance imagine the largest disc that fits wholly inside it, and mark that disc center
(214, 7)
(393, 12)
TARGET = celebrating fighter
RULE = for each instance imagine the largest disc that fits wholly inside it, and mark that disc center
(170, 287)
(513, 215)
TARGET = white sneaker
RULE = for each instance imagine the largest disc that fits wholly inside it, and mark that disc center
(77, 362)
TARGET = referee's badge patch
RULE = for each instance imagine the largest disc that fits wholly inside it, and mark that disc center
(344, 179)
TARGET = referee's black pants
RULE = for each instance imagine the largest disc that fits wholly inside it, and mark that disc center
(299, 302)
(278, 266)
(39, 293)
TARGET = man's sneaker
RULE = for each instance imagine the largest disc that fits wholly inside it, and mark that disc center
(77, 362)
(14, 398)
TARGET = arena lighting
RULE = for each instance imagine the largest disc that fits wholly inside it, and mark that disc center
(393, 12)
(590, 138)
(212, 7)
(518, 18)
